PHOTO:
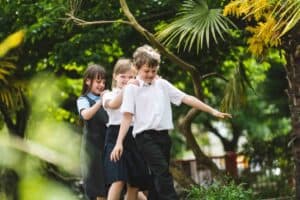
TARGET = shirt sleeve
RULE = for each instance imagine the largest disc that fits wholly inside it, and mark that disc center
(174, 93)
(128, 103)
(82, 103)
(106, 97)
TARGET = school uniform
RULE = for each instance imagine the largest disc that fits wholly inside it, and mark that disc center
(91, 155)
(151, 106)
(131, 168)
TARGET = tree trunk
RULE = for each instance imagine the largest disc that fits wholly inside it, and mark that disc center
(180, 177)
(293, 91)
(203, 162)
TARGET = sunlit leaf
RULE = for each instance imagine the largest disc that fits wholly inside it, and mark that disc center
(11, 41)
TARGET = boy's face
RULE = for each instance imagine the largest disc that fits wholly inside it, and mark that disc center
(97, 85)
(147, 74)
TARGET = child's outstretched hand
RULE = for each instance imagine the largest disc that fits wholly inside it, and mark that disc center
(221, 115)
(116, 152)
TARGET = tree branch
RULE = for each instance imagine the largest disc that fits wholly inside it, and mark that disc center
(214, 74)
(214, 130)
(82, 22)
(202, 160)
(150, 37)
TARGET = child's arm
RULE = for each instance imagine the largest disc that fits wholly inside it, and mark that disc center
(118, 149)
(196, 103)
(114, 103)
(88, 113)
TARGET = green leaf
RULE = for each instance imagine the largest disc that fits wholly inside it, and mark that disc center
(195, 25)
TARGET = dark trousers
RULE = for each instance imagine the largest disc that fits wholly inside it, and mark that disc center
(155, 147)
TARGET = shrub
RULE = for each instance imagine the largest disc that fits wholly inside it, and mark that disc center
(217, 191)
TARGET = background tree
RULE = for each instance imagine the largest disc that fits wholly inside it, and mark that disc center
(276, 24)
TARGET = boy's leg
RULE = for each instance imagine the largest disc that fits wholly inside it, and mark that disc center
(155, 148)
(152, 193)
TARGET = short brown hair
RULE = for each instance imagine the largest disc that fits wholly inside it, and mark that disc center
(146, 55)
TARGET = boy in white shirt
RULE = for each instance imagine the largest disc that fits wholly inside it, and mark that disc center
(150, 105)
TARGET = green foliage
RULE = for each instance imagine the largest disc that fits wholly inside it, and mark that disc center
(271, 165)
(270, 185)
(196, 24)
(217, 191)
(37, 187)
(11, 90)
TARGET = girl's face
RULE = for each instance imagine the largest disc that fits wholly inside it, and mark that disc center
(97, 85)
(122, 79)
(147, 74)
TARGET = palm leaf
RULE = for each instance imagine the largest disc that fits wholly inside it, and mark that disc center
(10, 90)
(294, 17)
(196, 24)
(6, 69)
(11, 94)
(236, 90)
(12, 41)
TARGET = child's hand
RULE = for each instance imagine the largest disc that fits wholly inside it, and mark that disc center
(116, 152)
(103, 92)
(221, 115)
(133, 81)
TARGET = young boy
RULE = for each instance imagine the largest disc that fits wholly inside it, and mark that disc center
(150, 104)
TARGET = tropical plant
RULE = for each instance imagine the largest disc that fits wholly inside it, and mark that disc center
(11, 90)
(195, 25)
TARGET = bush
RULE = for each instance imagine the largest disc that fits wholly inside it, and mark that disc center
(217, 191)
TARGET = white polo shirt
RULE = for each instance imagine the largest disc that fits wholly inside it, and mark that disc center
(151, 104)
(114, 115)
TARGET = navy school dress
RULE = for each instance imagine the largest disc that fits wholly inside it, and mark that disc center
(92, 153)
(131, 168)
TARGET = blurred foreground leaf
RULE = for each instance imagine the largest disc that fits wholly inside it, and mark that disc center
(41, 152)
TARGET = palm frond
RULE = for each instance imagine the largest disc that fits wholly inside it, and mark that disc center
(6, 68)
(11, 95)
(196, 25)
(235, 94)
(290, 17)
(10, 89)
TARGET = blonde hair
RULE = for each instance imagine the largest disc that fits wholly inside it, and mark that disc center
(122, 66)
(146, 55)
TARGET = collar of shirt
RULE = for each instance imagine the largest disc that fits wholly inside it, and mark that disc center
(93, 97)
(143, 83)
